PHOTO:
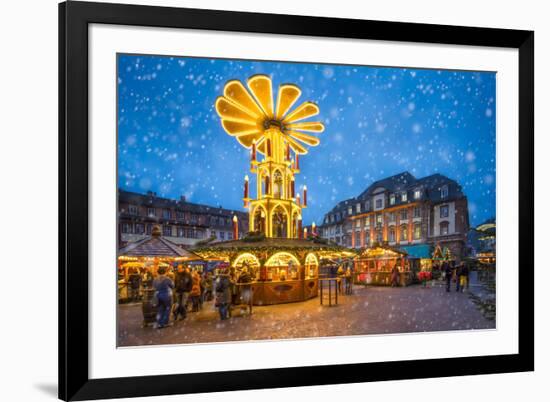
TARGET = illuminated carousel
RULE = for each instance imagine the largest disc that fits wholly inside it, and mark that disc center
(283, 260)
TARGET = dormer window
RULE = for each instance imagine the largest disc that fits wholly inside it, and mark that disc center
(367, 205)
(133, 209)
(358, 207)
(417, 194)
(404, 197)
(350, 211)
(444, 191)
(392, 199)
(379, 203)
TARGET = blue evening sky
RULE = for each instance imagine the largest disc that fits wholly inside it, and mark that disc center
(379, 122)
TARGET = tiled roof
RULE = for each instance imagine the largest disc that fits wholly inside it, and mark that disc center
(156, 246)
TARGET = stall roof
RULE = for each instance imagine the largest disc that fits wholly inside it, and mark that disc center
(418, 250)
(156, 246)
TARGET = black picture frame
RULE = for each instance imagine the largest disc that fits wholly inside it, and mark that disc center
(74, 18)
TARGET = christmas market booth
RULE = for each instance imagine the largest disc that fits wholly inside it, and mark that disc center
(282, 270)
(441, 255)
(150, 254)
(420, 256)
(374, 266)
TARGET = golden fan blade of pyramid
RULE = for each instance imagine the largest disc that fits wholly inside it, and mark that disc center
(260, 86)
(237, 128)
(237, 93)
(288, 95)
(305, 110)
(233, 111)
(246, 139)
(312, 127)
(248, 114)
(308, 139)
(295, 145)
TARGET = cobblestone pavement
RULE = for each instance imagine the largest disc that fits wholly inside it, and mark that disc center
(372, 310)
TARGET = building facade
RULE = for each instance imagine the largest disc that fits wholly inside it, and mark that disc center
(182, 222)
(402, 211)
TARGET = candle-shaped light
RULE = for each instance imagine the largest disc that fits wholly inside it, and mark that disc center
(253, 152)
(246, 191)
(235, 227)
(246, 186)
(298, 199)
(305, 196)
(313, 229)
(297, 162)
(300, 227)
(305, 233)
(292, 189)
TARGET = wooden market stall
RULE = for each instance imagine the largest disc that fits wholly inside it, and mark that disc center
(149, 254)
(282, 270)
(374, 266)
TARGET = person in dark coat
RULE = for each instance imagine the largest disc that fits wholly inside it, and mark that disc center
(223, 295)
(463, 278)
(183, 285)
(395, 276)
(163, 287)
(458, 274)
(245, 280)
(134, 282)
(446, 267)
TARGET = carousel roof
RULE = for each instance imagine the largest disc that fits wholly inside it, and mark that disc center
(274, 242)
(156, 246)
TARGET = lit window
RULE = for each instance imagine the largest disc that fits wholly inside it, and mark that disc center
(392, 217)
(417, 212)
(417, 231)
(358, 207)
(358, 223)
(350, 211)
(444, 228)
(392, 199)
(151, 212)
(404, 232)
(417, 194)
(403, 197)
(444, 211)
(392, 234)
(444, 191)
(379, 218)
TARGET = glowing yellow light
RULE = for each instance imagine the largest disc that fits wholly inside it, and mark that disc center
(272, 129)
(250, 116)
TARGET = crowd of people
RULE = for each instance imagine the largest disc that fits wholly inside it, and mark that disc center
(182, 290)
(458, 274)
